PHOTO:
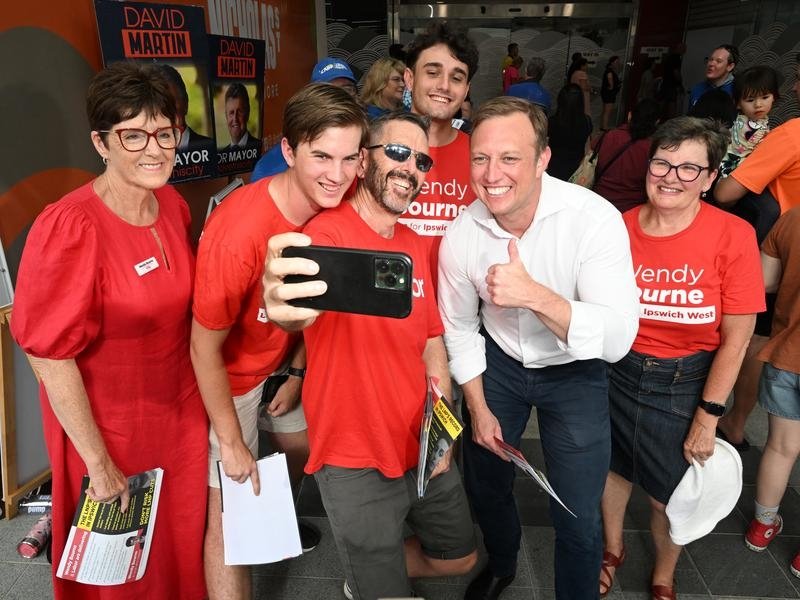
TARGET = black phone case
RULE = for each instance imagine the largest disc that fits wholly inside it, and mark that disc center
(351, 277)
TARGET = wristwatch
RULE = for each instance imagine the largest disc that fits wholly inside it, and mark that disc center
(712, 408)
(296, 372)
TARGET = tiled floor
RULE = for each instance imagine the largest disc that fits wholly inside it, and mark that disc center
(717, 566)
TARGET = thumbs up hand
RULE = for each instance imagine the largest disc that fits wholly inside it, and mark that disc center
(509, 284)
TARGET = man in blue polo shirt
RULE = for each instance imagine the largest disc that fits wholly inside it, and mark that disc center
(529, 88)
(719, 73)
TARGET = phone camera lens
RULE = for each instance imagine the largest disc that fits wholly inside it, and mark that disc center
(383, 266)
(391, 281)
(397, 268)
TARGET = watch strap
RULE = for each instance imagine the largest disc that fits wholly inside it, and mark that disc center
(296, 372)
(712, 408)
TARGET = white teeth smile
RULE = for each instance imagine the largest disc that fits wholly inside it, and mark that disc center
(401, 183)
(497, 191)
(441, 99)
(669, 190)
(329, 188)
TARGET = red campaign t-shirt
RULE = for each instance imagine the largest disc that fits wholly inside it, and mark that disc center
(444, 195)
(687, 281)
(228, 290)
(365, 385)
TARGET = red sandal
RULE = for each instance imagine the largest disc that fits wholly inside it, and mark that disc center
(663, 592)
(610, 561)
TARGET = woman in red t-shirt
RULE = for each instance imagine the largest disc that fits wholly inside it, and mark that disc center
(102, 310)
(699, 276)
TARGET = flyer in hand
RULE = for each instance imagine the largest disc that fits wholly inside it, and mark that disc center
(439, 430)
(538, 476)
(106, 546)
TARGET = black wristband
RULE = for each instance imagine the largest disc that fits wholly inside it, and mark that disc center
(712, 408)
(296, 372)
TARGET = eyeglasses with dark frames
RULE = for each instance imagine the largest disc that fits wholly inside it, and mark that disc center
(135, 140)
(686, 172)
(401, 153)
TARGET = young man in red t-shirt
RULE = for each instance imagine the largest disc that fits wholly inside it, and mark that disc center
(366, 385)
(441, 62)
(234, 346)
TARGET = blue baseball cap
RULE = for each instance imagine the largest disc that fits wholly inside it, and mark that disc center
(329, 69)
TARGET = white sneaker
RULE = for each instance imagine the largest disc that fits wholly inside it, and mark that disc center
(348, 593)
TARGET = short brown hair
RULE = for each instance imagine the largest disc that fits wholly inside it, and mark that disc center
(712, 134)
(125, 89)
(318, 106)
(503, 106)
(377, 125)
(237, 90)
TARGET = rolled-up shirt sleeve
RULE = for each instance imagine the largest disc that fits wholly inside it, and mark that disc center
(605, 314)
(458, 307)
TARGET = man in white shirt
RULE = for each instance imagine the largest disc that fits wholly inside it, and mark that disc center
(537, 293)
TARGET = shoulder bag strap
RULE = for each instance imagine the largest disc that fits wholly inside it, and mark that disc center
(600, 172)
(596, 150)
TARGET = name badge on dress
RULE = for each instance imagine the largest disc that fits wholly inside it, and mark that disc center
(146, 266)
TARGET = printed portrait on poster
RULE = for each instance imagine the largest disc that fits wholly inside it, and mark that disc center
(237, 86)
(173, 36)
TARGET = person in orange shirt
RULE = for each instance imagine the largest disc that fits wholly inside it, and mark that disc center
(774, 164)
(772, 168)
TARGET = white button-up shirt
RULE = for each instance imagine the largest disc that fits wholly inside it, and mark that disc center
(577, 246)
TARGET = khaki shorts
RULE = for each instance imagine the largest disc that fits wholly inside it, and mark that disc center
(293, 421)
(290, 422)
(246, 407)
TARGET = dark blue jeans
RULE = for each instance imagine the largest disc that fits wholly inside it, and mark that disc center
(572, 408)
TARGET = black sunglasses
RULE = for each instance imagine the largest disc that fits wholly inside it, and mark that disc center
(401, 153)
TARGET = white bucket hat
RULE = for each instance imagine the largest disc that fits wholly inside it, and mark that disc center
(705, 495)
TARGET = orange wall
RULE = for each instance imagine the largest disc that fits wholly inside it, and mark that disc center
(58, 50)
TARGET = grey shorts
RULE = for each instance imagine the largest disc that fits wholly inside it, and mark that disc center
(367, 513)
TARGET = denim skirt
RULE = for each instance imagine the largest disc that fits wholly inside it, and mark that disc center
(652, 402)
(779, 392)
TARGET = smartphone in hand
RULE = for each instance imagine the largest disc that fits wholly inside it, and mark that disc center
(367, 282)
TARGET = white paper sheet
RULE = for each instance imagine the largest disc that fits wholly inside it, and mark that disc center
(260, 529)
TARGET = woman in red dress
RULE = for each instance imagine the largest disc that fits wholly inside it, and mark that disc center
(102, 309)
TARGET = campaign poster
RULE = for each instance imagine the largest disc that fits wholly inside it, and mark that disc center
(237, 90)
(174, 37)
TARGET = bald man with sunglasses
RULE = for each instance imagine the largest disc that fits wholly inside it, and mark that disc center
(366, 383)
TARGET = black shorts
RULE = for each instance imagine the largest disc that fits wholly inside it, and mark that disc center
(608, 96)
